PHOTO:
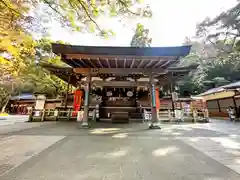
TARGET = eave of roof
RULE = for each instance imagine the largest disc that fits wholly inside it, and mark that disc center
(234, 85)
(119, 57)
(63, 73)
(178, 51)
(211, 91)
(24, 97)
(231, 86)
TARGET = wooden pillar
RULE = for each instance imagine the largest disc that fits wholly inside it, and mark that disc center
(219, 108)
(30, 115)
(171, 91)
(66, 95)
(235, 106)
(154, 120)
(86, 102)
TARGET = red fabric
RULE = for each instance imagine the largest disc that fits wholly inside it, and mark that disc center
(77, 101)
(157, 98)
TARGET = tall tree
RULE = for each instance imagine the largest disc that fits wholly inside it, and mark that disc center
(80, 14)
(140, 37)
(217, 52)
(17, 47)
(224, 28)
(83, 14)
(42, 80)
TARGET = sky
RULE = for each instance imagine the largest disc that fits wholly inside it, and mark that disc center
(172, 21)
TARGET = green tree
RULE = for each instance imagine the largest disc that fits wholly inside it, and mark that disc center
(222, 32)
(42, 80)
(79, 14)
(215, 69)
(83, 14)
(225, 28)
(140, 37)
(17, 47)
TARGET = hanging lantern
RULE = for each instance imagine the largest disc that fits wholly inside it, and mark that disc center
(176, 88)
(145, 88)
(109, 93)
(129, 93)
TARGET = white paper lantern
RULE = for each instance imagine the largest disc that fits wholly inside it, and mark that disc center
(129, 93)
(109, 93)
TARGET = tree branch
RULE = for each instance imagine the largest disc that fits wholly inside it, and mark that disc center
(126, 6)
(88, 15)
(54, 9)
(10, 8)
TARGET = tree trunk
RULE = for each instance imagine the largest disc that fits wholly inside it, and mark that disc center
(5, 104)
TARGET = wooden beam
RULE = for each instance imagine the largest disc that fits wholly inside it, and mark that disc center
(124, 64)
(108, 63)
(67, 62)
(165, 64)
(75, 63)
(100, 62)
(132, 63)
(150, 62)
(116, 63)
(119, 83)
(83, 62)
(179, 70)
(139, 65)
(90, 61)
(84, 71)
(158, 63)
(86, 56)
(119, 71)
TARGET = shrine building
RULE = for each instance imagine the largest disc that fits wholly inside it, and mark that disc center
(121, 81)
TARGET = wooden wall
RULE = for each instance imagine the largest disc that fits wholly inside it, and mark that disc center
(218, 107)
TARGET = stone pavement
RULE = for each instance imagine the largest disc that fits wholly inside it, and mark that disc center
(12, 119)
(59, 151)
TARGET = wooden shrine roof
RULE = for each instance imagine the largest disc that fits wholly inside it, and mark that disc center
(64, 73)
(120, 57)
(171, 74)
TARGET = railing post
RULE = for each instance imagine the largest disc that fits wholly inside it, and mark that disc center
(195, 116)
(56, 114)
(97, 112)
(79, 116)
(43, 114)
(169, 114)
(68, 114)
(49, 112)
(30, 115)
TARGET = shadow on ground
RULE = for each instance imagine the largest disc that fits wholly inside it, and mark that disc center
(109, 129)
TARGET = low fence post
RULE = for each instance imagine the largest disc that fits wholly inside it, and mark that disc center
(169, 115)
(49, 112)
(30, 115)
(97, 112)
(56, 114)
(79, 116)
(68, 114)
(43, 114)
(195, 116)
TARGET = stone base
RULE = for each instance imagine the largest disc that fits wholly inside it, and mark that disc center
(154, 126)
(84, 125)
